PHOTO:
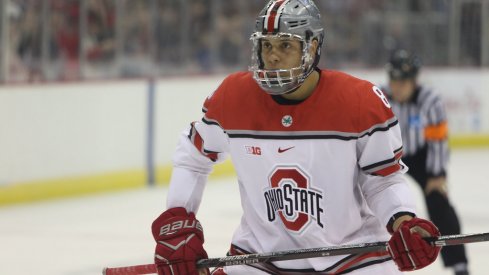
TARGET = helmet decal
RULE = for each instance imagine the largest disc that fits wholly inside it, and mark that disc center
(272, 17)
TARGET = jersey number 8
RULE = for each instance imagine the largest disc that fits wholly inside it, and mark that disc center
(380, 94)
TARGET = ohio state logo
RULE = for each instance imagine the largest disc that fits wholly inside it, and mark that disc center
(291, 198)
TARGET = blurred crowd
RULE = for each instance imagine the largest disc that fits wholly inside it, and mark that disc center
(46, 34)
(56, 40)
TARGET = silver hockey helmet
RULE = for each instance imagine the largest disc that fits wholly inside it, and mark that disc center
(299, 19)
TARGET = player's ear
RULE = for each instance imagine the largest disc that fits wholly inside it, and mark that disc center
(314, 46)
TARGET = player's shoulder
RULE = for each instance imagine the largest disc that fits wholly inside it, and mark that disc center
(238, 79)
(365, 101)
(233, 88)
(349, 86)
(235, 83)
(240, 76)
(345, 82)
(342, 77)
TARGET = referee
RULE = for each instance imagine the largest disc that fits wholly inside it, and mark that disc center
(424, 129)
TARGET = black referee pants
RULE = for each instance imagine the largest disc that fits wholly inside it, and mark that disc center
(440, 210)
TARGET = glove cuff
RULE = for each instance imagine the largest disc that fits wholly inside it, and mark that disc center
(395, 217)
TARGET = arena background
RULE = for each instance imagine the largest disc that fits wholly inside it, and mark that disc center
(94, 93)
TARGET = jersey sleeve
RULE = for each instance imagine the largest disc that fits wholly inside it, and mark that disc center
(379, 146)
(387, 196)
(202, 145)
(436, 136)
(379, 150)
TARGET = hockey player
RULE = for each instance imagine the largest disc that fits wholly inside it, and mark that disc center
(317, 155)
(423, 123)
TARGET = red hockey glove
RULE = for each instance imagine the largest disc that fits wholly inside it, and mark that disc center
(179, 242)
(407, 247)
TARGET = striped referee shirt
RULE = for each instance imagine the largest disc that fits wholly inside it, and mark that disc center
(424, 125)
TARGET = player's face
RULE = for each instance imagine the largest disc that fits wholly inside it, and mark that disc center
(281, 53)
(402, 89)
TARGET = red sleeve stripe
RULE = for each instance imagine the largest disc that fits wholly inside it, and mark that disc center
(398, 155)
(387, 171)
(198, 142)
(386, 167)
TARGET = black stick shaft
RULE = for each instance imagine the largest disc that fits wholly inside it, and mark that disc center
(332, 251)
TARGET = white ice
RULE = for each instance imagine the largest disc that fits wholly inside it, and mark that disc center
(81, 236)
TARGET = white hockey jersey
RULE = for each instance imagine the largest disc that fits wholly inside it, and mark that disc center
(322, 172)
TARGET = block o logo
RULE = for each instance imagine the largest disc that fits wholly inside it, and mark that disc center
(291, 198)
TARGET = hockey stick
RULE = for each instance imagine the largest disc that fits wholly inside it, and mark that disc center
(447, 240)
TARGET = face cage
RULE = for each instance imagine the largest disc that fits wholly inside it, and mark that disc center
(281, 81)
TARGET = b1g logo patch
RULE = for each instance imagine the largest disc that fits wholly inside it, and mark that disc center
(253, 150)
(291, 198)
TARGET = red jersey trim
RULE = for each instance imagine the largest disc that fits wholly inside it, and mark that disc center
(386, 167)
(198, 142)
